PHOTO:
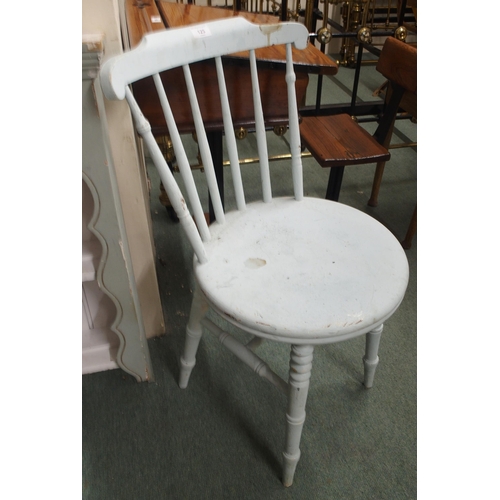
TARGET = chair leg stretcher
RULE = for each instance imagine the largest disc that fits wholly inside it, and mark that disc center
(246, 355)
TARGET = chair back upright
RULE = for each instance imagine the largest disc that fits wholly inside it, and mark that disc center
(180, 47)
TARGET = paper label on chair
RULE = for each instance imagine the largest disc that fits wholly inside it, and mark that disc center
(155, 19)
(201, 31)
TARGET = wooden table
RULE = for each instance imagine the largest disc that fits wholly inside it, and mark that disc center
(146, 16)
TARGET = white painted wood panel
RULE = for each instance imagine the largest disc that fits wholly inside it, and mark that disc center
(113, 332)
(103, 18)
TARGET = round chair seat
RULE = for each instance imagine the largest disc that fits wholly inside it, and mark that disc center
(310, 271)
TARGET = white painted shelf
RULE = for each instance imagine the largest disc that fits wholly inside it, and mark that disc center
(99, 343)
(99, 350)
(112, 317)
(90, 259)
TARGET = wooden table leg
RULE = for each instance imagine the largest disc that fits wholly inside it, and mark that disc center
(412, 229)
(334, 183)
(215, 143)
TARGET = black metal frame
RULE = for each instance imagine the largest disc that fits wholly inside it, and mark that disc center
(353, 108)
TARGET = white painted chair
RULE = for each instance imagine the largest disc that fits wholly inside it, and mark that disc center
(298, 270)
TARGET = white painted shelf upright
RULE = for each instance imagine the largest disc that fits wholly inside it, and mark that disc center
(99, 342)
(113, 334)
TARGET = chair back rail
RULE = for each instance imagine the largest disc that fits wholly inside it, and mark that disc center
(180, 47)
(175, 47)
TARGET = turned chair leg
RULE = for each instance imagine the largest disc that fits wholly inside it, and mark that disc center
(298, 386)
(370, 360)
(199, 308)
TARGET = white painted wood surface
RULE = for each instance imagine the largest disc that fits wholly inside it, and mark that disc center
(113, 331)
(232, 148)
(99, 342)
(299, 270)
(304, 271)
(104, 19)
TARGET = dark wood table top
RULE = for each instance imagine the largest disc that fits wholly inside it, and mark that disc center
(145, 16)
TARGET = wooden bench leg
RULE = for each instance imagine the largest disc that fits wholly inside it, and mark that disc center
(334, 183)
(377, 180)
(412, 229)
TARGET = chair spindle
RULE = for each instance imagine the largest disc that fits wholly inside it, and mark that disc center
(167, 178)
(260, 131)
(230, 137)
(206, 156)
(182, 161)
(293, 125)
